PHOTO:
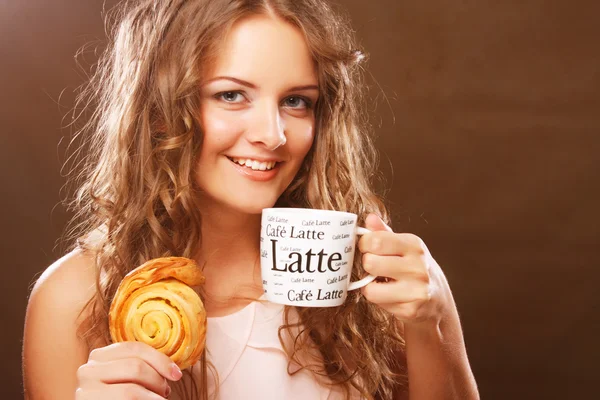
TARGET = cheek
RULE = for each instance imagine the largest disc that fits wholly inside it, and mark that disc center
(301, 135)
(220, 128)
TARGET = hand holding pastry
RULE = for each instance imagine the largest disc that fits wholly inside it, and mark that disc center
(155, 304)
(158, 324)
(127, 370)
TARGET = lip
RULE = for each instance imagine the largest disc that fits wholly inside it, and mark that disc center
(256, 175)
(261, 159)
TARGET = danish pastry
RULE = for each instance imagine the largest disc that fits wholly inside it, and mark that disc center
(155, 304)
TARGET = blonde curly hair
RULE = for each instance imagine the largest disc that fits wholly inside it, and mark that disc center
(134, 168)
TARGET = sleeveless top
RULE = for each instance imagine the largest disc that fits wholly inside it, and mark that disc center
(245, 350)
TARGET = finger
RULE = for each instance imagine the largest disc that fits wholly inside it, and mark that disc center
(157, 360)
(396, 292)
(394, 267)
(126, 370)
(391, 244)
(130, 391)
(374, 223)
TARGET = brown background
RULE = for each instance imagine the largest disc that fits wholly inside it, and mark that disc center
(489, 140)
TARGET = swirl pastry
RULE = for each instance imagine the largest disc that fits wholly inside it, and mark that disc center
(155, 304)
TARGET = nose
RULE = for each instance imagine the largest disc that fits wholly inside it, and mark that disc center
(268, 131)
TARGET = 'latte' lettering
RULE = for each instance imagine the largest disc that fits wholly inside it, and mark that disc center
(301, 263)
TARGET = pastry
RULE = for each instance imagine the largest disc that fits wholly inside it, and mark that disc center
(155, 304)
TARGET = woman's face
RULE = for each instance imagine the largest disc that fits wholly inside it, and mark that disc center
(257, 115)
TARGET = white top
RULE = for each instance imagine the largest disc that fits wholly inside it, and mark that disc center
(244, 348)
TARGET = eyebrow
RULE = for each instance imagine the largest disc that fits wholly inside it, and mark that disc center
(253, 86)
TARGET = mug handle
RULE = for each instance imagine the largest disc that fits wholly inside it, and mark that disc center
(367, 279)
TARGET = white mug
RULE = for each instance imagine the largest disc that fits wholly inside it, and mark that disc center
(307, 256)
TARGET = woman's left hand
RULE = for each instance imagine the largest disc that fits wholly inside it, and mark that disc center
(416, 290)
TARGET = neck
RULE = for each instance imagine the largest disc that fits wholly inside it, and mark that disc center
(230, 256)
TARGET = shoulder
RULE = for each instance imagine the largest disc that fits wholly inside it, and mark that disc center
(60, 294)
(52, 351)
(68, 283)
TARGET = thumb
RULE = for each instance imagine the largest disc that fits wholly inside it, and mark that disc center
(375, 223)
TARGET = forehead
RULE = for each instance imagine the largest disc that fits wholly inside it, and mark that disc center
(264, 50)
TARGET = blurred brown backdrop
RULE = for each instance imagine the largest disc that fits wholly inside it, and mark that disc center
(490, 141)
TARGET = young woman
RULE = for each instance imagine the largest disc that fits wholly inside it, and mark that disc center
(194, 102)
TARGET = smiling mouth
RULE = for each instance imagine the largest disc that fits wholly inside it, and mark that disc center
(254, 164)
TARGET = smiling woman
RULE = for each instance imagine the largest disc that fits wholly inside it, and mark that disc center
(208, 112)
(248, 115)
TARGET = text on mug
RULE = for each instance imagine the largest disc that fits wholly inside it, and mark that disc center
(281, 232)
(299, 260)
(307, 295)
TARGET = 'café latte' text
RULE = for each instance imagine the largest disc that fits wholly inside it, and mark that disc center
(294, 233)
(307, 295)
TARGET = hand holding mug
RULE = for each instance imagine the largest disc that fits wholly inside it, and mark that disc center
(416, 289)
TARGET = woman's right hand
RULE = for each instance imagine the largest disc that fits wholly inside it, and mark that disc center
(127, 370)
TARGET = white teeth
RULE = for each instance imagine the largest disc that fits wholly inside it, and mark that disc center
(255, 165)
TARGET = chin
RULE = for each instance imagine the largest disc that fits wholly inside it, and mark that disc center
(253, 207)
(247, 204)
(244, 210)
(252, 210)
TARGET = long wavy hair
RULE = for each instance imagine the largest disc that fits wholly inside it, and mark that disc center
(133, 169)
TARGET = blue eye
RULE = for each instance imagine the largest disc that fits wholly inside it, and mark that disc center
(297, 102)
(229, 97)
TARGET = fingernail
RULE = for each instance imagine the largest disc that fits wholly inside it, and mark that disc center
(176, 372)
(168, 391)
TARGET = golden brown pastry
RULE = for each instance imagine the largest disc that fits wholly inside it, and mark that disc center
(155, 304)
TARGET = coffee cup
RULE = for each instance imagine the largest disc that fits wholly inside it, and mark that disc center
(307, 256)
